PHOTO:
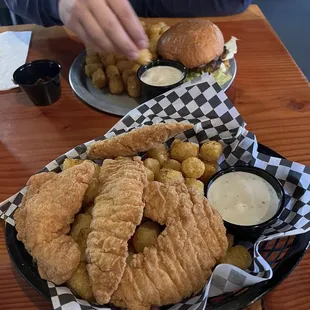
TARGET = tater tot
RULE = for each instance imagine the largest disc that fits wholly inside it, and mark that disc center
(129, 257)
(116, 85)
(195, 184)
(210, 170)
(193, 167)
(154, 29)
(150, 174)
(144, 57)
(169, 176)
(123, 65)
(181, 150)
(112, 71)
(162, 24)
(164, 29)
(102, 54)
(160, 153)
(172, 164)
(230, 239)
(99, 79)
(79, 232)
(133, 86)
(71, 162)
(93, 59)
(80, 284)
(238, 256)
(153, 43)
(126, 74)
(152, 164)
(120, 57)
(88, 209)
(153, 47)
(211, 151)
(146, 235)
(143, 24)
(136, 67)
(108, 60)
(154, 37)
(90, 51)
(91, 68)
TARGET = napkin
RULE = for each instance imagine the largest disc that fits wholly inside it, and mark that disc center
(14, 48)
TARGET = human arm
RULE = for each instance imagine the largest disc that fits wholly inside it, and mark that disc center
(41, 12)
(107, 25)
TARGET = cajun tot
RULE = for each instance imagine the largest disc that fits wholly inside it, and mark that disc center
(172, 164)
(193, 167)
(195, 184)
(169, 176)
(152, 164)
(182, 150)
(159, 153)
(211, 151)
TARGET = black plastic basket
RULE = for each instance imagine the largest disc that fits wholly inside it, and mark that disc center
(282, 254)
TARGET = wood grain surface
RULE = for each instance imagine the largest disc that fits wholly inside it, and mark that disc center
(269, 91)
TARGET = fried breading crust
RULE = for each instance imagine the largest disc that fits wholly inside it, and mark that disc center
(118, 210)
(181, 261)
(137, 140)
(44, 219)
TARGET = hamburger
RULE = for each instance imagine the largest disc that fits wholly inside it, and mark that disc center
(199, 45)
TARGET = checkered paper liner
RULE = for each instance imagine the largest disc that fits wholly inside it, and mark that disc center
(203, 103)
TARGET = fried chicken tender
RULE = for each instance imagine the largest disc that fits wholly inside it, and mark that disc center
(93, 188)
(44, 219)
(118, 210)
(137, 140)
(182, 259)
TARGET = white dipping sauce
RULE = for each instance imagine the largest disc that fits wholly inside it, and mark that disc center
(162, 76)
(243, 198)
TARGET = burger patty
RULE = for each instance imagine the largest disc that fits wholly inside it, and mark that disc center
(213, 65)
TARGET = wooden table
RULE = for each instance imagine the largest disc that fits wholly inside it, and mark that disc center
(270, 92)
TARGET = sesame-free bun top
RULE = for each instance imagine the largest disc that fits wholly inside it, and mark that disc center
(193, 42)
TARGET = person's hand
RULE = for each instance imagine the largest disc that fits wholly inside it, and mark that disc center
(107, 25)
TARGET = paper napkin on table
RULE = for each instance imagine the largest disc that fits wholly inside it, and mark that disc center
(14, 48)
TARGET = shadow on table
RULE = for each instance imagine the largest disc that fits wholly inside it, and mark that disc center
(32, 297)
(59, 48)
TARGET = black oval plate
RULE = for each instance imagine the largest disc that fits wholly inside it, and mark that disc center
(24, 263)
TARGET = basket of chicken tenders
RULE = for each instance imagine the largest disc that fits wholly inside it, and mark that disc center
(176, 207)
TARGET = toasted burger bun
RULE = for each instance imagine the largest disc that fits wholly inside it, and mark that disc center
(193, 42)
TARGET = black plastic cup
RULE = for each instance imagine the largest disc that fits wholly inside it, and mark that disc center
(252, 232)
(150, 91)
(40, 80)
